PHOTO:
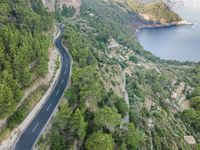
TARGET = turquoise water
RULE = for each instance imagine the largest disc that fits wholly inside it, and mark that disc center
(178, 42)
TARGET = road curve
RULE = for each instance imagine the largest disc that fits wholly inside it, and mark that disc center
(32, 132)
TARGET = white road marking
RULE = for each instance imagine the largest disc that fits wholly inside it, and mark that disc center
(48, 107)
(35, 127)
(62, 81)
(66, 65)
(57, 92)
(65, 72)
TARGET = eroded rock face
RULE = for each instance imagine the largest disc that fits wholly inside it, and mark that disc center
(50, 4)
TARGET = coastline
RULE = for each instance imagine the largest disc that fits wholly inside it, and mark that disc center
(161, 25)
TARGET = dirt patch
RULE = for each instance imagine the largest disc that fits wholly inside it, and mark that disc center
(190, 140)
(178, 91)
(185, 105)
(179, 96)
(2, 123)
(148, 104)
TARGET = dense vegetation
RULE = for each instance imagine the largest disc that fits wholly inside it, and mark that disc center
(116, 21)
(191, 116)
(23, 110)
(158, 121)
(109, 25)
(23, 49)
(93, 117)
(66, 11)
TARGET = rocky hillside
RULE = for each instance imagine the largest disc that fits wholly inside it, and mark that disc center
(159, 12)
(121, 96)
(51, 4)
(155, 12)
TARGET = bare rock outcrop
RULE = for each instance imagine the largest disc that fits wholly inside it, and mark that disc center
(50, 4)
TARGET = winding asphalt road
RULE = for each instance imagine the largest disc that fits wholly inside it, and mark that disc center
(32, 132)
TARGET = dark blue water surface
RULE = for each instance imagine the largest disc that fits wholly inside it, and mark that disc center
(178, 42)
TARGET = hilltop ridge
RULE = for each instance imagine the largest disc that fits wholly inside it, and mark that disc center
(155, 12)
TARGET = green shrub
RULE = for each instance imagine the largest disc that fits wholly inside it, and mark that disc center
(133, 59)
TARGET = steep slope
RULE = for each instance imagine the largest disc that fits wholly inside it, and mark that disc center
(22, 53)
(24, 44)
